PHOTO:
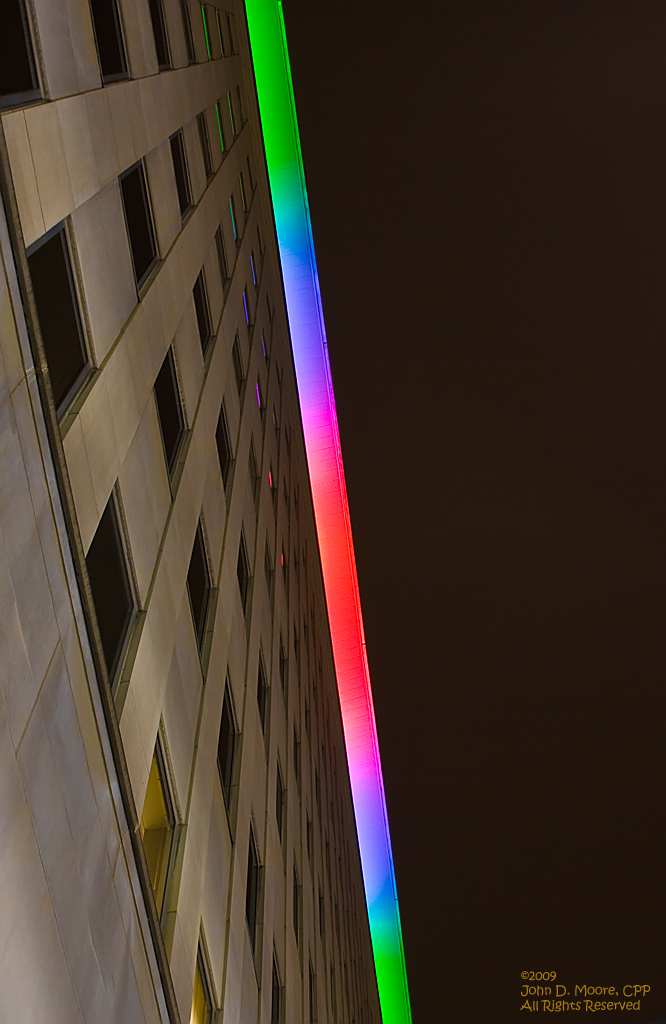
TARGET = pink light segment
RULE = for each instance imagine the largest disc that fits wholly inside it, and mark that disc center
(322, 440)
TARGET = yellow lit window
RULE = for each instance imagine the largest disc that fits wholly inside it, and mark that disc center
(201, 1006)
(157, 826)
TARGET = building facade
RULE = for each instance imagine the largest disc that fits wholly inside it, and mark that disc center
(179, 838)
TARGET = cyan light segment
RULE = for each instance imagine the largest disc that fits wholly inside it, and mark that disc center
(322, 441)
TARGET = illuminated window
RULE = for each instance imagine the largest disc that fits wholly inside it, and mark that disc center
(180, 172)
(139, 222)
(160, 34)
(169, 409)
(234, 225)
(110, 586)
(109, 39)
(206, 28)
(202, 1004)
(198, 585)
(18, 73)
(59, 317)
(157, 827)
(226, 747)
(252, 890)
(253, 269)
(246, 308)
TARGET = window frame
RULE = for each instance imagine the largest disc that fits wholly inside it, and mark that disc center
(178, 140)
(252, 891)
(202, 312)
(222, 424)
(243, 574)
(200, 628)
(226, 772)
(171, 460)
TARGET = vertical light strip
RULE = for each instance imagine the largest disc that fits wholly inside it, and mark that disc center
(299, 269)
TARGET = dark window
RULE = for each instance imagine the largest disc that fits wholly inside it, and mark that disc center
(139, 222)
(206, 28)
(279, 801)
(241, 186)
(205, 144)
(333, 992)
(232, 116)
(262, 693)
(250, 178)
(297, 644)
(220, 33)
(226, 745)
(59, 318)
(297, 757)
(160, 34)
(241, 108)
(238, 365)
(252, 890)
(312, 993)
(321, 914)
(187, 32)
(268, 566)
(180, 170)
(202, 311)
(18, 75)
(221, 256)
(296, 905)
(108, 35)
(230, 32)
(223, 447)
(220, 126)
(169, 409)
(275, 995)
(243, 573)
(110, 586)
(198, 585)
(282, 663)
(254, 472)
(308, 836)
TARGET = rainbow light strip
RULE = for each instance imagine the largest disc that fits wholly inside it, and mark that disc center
(327, 478)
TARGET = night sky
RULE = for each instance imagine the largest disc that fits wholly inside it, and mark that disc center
(487, 181)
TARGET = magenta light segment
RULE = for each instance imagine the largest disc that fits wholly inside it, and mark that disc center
(315, 389)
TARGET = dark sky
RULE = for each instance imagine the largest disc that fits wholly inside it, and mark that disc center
(487, 181)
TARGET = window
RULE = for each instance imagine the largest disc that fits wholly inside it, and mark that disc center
(180, 171)
(241, 186)
(220, 33)
(223, 446)
(110, 586)
(238, 365)
(169, 409)
(187, 31)
(252, 890)
(202, 311)
(272, 483)
(221, 256)
(18, 73)
(276, 993)
(333, 993)
(254, 473)
(205, 144)
(279, 801)
(253, 269)
(230, 32)
(198, 585)
(246, 308)
(220, 126)
(243, 573)
(262, 693)
(297, 757)
(226, 747)
(297, 644)
(282, 664)
(268, 566)
(259, 239)
(109, 39)
(241, 108)
(312, 993)
(296, 905)
(202, 1004)
(157, 826)
(308, 835)
(139, 222)
(321, 914)
(232, 116)
(204, 18)
(59, 317)
(250, 178)
(160, 34)
(260, 398)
